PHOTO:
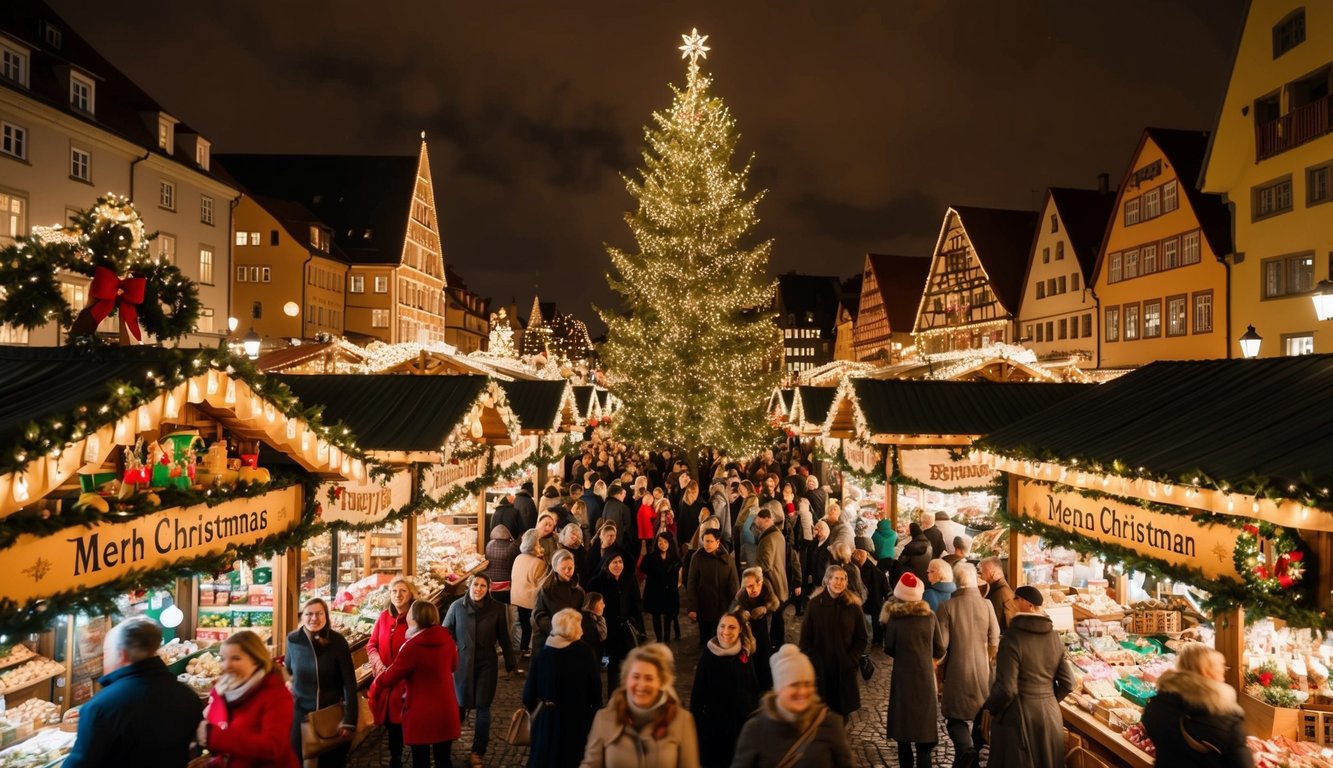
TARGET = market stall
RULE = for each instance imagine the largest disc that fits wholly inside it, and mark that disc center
(1202, 491)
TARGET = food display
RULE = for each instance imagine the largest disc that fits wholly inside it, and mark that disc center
(47, 746)
(446, 553)
(1281, 752)
(202, 672)
(29, 673)
(13, 654)
(32, 712)
(176, 650)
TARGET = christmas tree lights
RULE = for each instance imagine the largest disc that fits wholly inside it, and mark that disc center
(695, 353)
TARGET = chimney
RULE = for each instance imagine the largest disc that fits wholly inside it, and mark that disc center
(1104, 183)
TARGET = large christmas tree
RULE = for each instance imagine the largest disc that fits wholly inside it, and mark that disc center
(694, 352)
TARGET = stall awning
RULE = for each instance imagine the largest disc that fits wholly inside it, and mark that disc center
(586, 399)
(541, 406)
(1234, 421)
(810, 406)
(873, 409)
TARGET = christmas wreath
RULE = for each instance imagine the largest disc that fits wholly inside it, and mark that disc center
(1284, 566)
(108, 244)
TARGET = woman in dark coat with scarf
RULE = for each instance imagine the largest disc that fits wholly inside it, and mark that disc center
(563, 679)
(833, 635)
(661, 586)
(478, 623)
(320, 663)
(725, 690)
(912, 637)
(916, 555)
(757, 603)
(623, 611)
(559, 590)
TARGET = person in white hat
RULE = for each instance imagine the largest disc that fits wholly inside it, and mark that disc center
(792, 726)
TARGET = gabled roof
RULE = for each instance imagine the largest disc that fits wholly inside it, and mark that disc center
(585, 397)
(924, 407)
(811, 404)
(1084, 214)
(391, 413)
(296, 219)
(901, 281)
(536, 404)
(365, 199)
(1002, 240)
(1185, 150)
(816, 294)
(280, 360)
(1230, 421)
(849, 294)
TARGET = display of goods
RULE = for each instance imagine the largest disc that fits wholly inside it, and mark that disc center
(1136, 690)
(1101, 689)
(13, 654)
(177, 649)
(427, 584)
(46, 747)
(1154, 622)
(1138, 736)
(32, 711)
(992, 543)
(28, 673)
(1281, 752)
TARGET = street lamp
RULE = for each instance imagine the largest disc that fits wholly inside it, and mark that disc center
(1323, 300)
(232, 323)
(250, 341)
(1249, 343)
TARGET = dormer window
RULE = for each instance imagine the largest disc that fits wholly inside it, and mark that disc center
(319, 238)
(54, 37)
(201, 153)
(81, 93)
(166, 129)
(14, 64)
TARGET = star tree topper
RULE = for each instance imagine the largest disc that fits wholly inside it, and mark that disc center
(694, 49)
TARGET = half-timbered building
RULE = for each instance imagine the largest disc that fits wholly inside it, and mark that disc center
(890, 289)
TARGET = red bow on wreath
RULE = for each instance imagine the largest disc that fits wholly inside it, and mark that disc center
(1286, 571)
(109, 293)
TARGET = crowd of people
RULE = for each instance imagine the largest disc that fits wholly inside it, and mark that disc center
(573, 575)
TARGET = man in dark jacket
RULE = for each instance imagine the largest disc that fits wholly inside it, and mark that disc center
(527, 508)
(143, 716)
(710, 585)
(998, 591)
(933, 534)
(592, 501)
(817, 496)
(687, 515)
(506, 514)
(619, 513)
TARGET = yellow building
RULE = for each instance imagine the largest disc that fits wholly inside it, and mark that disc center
(1057, 317)
(1160, 279)
(381, 210)
(1271, 158)
(287, 279)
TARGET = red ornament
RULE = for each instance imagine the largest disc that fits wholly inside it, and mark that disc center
(1252, 530)
(1261, 571)
(1285, 581)
(1295, 556)
(108, 292)
(1265, 678)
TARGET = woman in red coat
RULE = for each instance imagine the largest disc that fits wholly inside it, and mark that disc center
(248, 720)
(388, 636)
(426, 663)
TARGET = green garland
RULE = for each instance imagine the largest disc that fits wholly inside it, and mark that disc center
(999, 487)
(839, 460)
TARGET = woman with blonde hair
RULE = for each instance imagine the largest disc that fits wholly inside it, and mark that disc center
(386, 638)
(1195, 719)
(426, 664)
(248, 718)
(529, 570)
(644, 724)
(833, 636)
(563, 691)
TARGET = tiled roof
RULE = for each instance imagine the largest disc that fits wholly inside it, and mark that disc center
(1084, 214)
(1002, 240)
(925, 407)
(901, 281)
(391, 412)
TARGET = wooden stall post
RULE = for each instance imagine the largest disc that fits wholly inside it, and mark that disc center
(1229, 640)
(482, 533)
(541, 479)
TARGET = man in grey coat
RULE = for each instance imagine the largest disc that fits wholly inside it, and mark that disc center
(971, 635)
(1032, 675)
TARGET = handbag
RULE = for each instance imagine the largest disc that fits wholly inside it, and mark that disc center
(797, 750)
(867, 667)
(519, 732)
(320, 729)
(635, 636)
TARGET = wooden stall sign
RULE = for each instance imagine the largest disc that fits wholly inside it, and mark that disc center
(862, 458)
(356, 503)
(935, 467)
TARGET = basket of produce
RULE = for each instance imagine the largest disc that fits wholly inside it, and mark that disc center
(1135, 690)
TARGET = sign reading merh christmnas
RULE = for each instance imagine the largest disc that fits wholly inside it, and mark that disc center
(1175, 539)
(40, 566)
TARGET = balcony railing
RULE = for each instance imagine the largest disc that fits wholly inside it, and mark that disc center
(1305, 123)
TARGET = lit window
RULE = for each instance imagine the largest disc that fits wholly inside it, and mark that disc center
(164, 134)
(1152, 203)
(1288, 275)
(14, 140)
(12, 335)
(266, 274)
(1189, 248)
(13, 219)
(1298, 344)
(241, 275)
(241, 239)
(1131, 212)
(1131, 264)
(1152, 318)
(1149, 258)
(379, 318)
(205, 320)
(381, 284)
(80, 164)
(254, 274)
(356, 284)
(1170, 253)
(166, 195)
(206, 265)
(206, 209)
(166, 248)
(1177, 316)
(1131, 321)
(1169, 196)
(1113, 272)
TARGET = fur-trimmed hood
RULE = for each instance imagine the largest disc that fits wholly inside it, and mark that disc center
(895, 608)
(1199, 692)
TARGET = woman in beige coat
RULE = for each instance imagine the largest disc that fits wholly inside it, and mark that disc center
(644, 725)
(529, 570)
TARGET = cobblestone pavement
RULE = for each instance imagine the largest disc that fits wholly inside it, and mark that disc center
(869, 745)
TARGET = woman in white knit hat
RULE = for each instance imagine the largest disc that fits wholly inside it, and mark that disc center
(792, 728)
(912, 637)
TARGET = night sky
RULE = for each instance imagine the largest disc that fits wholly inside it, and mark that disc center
(865, 117)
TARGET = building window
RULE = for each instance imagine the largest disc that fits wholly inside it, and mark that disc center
(1152, 319)
(1073, 281)
(254, 274)
(254, 238)
(54, 37)
(1131, 264)
(164, 134)
(379, 318)
(1131, 321)
(1203, 312)
(1177, 316)
(1288, 275)
(1170, 196)
(1131, 212)
(1055, 223)
(1289, 33)
(1060, 285)
(80, 164)
(1297, 344)
(356, 284)
(1272, 199)
(1149, 258)
(81, 93)
(1041, 289)
(256, 310)
(205, 265)
(1113, 274)
(1064, 327)
(265, 274)
(1112, 324)
(13, 218)
(1073, 327)
(14, 140)
(1317, 184)
(166, 195)
(1060, 250)
(205, 320)
(14, 66)
(1189, 248)
(1170, 253)
(1087, 325)
(1028, 335)
(241, 239)
(242, 275)
(201, 154)
(166, 248)
(206, 209)
(12, 335)
(1152, 204)
(381, 284)
(1045, 255)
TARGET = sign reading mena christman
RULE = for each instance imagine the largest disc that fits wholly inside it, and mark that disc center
(936, 468)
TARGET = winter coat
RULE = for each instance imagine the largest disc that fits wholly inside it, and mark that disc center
(253, 731)
(614, 742)
(594, 504)
(876, 585)
(1001, 597)
(527, 509)
(746, 536)
(624, 608)
(885, 540)
(771, 557)
(833, 635)
(508, 515)
(687, 520)
(386, 638)
(725, 693)
(554, 595)
(854, 583)
(711, 583)
(1189, 704)
(590, 561)
(936, 594)
(529, 570)
(971, 635)
(760, 610)
(1031, 676)
(477, 627)
(936, 539)
(661, 583)
(324, 668)
(817, 560)
(627, 539)
(768, 736)
(568, 678)
(142, 716)
(912, 638)
(594, 632)
(427, 662)
(717, 501)
(950, 530)
(915, 557)
(839, 532)
(818, 499)
(501, 551)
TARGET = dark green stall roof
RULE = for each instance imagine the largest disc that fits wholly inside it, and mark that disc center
(535, 403)
(391, 412)
(1236, 421)
(928, 407)
(583, 398)
(815, 402)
